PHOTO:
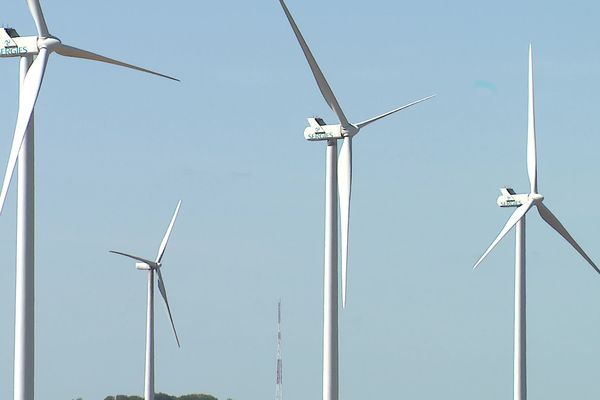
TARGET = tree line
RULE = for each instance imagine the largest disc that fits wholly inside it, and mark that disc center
(164, 396)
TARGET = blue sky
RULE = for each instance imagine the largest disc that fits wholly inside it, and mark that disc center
(116, 149)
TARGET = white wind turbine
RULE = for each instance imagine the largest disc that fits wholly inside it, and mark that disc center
(34, 52)
(524, 202)
(337, 175)
(154, 267)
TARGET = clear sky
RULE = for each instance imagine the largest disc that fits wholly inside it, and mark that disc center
(116, 149)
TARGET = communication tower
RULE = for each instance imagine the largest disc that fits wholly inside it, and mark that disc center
(278, 378)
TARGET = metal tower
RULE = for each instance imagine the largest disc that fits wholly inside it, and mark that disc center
(278, 379)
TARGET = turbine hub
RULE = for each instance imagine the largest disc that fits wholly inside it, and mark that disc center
(536, 197)
(49, 43)
(349, 131)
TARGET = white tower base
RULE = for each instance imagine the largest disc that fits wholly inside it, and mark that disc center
(520, 364)
(24, 361)
(149, 373)
(330, 279)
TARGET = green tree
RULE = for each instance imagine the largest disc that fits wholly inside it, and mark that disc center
(197, 397)
(164, 396)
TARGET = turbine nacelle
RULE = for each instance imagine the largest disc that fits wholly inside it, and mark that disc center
(319, 130)
(509, 198)
(13, 45)
(147, 267)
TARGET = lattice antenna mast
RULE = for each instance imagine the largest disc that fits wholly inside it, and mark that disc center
(279, 376)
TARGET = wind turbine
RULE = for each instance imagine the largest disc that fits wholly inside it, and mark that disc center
(337, 175)
(524, 202)
(34, 53)
(154, 267)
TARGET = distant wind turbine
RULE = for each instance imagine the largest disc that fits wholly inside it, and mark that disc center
(154, 267)
(34, 53)
(337, 176)
(524, 202)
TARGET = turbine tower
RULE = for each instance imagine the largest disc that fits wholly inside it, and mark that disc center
(279, 367)
(338, 176)
(34, 52)
(153, 267)
(524, 202)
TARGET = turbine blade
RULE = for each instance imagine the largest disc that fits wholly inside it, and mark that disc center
(70, 51)
(319, 77)
(547, 216)
(345, 190)
(27, 99)
(163, 244)
(369, 121)
(514, 218)
(531, 147)
(163, 293)
(38, 17)
(150, 263)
